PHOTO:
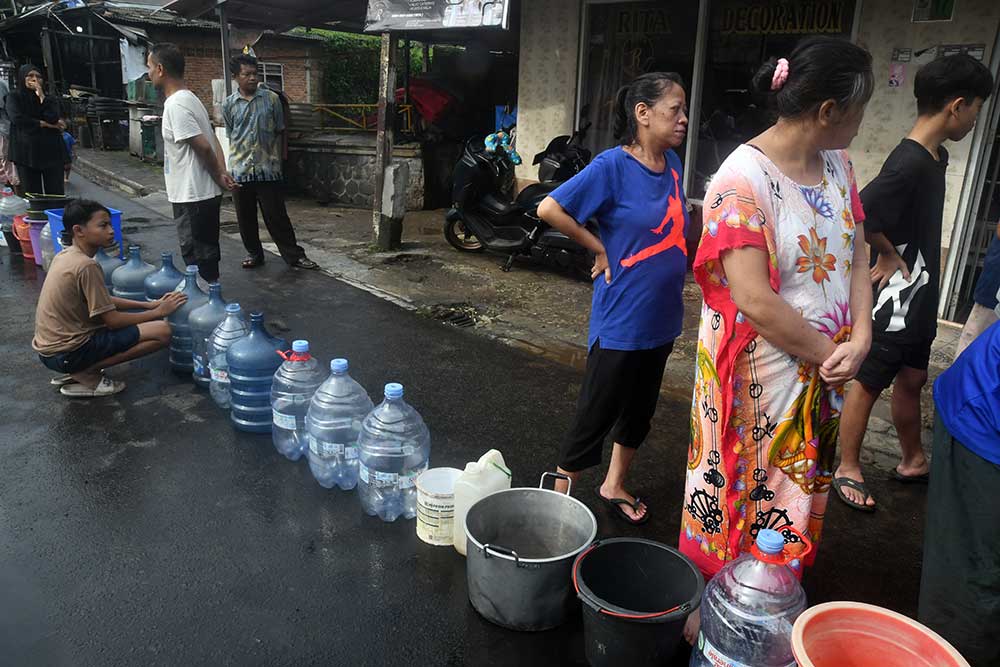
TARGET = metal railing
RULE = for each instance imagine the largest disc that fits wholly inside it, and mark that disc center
(360, 117)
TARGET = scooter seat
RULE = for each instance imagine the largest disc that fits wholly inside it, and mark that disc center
(496, 207)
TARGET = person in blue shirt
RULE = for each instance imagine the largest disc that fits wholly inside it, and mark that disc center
(634, 193)
(960, 581)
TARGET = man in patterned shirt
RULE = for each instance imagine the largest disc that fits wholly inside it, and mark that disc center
(255, 123)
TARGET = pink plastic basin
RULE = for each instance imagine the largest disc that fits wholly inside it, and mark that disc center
(852, 634)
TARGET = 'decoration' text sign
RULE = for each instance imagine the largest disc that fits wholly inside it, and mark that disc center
(784, 18)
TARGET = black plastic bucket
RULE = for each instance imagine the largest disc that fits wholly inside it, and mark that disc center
(636, 597)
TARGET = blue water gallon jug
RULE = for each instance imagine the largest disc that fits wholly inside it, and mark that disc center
(181, 342)
(333, 425)
(394, 447)
(203, 321)
(108, 264)
(129, 280)
(252, 361)
(164, 280)
(223, 336)
(295, 382)
(748, 608)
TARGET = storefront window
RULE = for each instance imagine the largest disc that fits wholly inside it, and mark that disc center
(624, 40)
(741, 36)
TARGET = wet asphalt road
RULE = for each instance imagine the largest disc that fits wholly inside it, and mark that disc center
(142, 529)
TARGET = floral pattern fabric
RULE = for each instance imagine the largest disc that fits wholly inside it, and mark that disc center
(763, 424)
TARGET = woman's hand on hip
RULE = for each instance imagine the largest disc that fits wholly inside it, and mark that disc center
(601, 266)
(841, 366)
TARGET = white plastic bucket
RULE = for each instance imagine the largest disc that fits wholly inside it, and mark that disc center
(436, 505)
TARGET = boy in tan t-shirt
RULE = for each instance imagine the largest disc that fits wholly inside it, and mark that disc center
(79, 329)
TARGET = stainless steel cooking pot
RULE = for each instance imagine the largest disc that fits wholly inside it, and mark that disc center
(521, 544)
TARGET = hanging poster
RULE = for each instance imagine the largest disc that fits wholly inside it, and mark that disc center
(407, 15)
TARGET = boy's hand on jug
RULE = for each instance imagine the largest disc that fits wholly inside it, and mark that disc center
(171, 302)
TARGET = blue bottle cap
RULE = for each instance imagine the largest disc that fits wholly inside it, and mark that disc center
(338, 365)
(770, 541)
(166, 255)
(300, 346)
(394, 390)
(232, 307)
(192, 269)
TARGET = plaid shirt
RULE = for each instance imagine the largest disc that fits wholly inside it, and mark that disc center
(254, 128)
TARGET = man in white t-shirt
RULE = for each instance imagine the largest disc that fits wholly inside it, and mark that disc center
(194, 166)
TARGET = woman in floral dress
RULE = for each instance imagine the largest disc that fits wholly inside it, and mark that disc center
(781, 238)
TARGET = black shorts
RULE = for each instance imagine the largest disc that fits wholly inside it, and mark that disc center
(887, 358)
(103, 344)
(620, 390)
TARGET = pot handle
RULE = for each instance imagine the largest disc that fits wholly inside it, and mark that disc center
(556, 475)
(503, 551)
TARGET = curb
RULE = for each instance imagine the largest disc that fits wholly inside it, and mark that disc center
(97, 173)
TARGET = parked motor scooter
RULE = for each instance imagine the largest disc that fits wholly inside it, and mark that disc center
(487, 216)
(563, 158)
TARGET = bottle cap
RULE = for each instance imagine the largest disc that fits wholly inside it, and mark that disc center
(338, 365)
(192, 269)
(394, 390)
(300, 346)
(166, 255)
(232, 307)
(770, 541)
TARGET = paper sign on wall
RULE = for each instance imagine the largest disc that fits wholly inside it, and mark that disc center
(897, 75)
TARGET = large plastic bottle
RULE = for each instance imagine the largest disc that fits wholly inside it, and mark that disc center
(181, 343)
(48, 250)
(333, 424)
(203, 321)
(252, 361)
(394, 447)
(749, 607)
(164, 280)
(478, 480)
(108, 264)
(10, 206)
(223, 336)
(295, 382)
(129, 280)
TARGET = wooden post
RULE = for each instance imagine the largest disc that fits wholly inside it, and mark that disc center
(381, 233)
(427, 57)
(224, 30)
(90, 46)
(47, 58)
(406, 71)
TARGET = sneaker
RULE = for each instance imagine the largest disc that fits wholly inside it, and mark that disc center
(105, 387)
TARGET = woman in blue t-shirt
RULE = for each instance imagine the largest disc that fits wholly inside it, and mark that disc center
(634, 193)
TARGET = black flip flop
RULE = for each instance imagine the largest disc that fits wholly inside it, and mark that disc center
(910, 479)
(251, 262)
(615, 504)
(860, 487)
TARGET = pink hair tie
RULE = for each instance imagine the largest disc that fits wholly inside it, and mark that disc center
(780, 74)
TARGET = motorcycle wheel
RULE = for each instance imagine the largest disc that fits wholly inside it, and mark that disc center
(460, 238)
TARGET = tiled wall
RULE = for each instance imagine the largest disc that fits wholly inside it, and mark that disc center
(885, 25)
(546, 94)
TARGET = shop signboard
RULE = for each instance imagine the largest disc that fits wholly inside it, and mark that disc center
(785, 18)
(933, 10)
(412, 15)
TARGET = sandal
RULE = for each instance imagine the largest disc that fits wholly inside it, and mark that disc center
(61, 380)
(251, 262)
(105, 387)
(924, 478)
(615, 504)
(305, 263)
(839, 482)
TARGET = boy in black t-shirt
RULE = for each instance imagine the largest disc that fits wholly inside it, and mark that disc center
(904, 206)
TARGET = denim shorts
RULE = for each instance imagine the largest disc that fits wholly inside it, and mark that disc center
(103, 344)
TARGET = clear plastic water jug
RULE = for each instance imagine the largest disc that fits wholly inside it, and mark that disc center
(333, 424)
(394, 447)
(252, 361)
(164, 280)
(478, 480)
(48, 250)
(203, 321)
(748, 608)
(181, 342)
(230, 330)
(295, 382)
(10, 206)
(108, 264)
(129, 280)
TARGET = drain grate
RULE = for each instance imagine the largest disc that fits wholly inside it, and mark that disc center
(456, 314)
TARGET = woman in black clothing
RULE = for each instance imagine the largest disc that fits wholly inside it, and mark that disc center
(37, 148)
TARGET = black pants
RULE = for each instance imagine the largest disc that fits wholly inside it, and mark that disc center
(47, 181)
(272, 207)
(198, 233)
(620, 389)
(960, 580)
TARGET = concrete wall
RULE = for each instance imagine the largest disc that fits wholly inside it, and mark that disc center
(885, 25)
(547, 76)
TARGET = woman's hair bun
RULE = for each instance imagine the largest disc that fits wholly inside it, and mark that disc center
(762, 79)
